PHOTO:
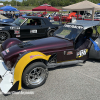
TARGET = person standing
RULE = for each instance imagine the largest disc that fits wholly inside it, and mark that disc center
(49, 17)
(10, 15)
(6, 13)
(13, 15)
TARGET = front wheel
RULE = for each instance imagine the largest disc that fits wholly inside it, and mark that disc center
(35, 75)
(4, 35)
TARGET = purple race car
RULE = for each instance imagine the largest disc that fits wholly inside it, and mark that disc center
(28, 62)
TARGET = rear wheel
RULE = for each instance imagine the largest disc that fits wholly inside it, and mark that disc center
(35, 75)
(4, 35)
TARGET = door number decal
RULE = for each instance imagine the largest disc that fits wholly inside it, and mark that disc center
(81, 53)
(33, 31)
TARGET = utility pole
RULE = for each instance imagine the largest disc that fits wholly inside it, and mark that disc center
(16, 3)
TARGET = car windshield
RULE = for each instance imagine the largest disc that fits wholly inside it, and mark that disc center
(19, 21)
(68, 31)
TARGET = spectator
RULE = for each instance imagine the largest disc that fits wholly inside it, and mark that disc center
(49, 17)
(10, 15)
(6, 13)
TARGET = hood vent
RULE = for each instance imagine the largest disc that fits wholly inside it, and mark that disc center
(24, 44)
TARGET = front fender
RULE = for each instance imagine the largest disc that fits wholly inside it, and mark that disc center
(10, 42)
(23, 62)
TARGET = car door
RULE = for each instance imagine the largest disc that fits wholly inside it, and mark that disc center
(69, 53)
(75, 54)
(32, 29)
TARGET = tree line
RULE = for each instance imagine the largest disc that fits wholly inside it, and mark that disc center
(40, 2)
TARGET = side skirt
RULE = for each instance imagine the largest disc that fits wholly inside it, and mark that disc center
(53, 65)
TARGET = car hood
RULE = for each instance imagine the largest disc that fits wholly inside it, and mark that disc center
(7, 24)
(7, 20)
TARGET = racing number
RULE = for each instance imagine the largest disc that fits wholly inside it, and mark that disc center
(81, 53)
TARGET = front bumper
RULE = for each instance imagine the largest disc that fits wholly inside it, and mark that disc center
(7, 78)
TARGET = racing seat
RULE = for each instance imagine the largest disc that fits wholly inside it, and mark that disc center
(83, 40)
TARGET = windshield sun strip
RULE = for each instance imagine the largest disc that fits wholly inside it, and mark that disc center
(24, 21)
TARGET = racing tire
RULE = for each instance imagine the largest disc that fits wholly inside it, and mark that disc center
(50, 33)
(4, 35)
(35, 75)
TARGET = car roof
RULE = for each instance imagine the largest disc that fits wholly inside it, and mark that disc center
(86, 24)
(32, 17)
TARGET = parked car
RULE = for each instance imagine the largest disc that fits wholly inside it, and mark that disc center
(28, 62)
(27, 27)
(18, 14)
(70, 16)
(5, 19)
(97, 16)
(87, 15)
(67, 17)
(47, 15)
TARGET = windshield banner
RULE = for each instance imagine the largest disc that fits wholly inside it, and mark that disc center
(73, 26)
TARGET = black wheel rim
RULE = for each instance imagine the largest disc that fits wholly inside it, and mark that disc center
(3, 36)
(51, 33)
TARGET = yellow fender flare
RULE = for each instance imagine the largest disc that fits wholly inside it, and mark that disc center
(23, 62)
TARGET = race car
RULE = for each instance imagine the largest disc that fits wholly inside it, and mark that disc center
(27, 27)
(28, 62)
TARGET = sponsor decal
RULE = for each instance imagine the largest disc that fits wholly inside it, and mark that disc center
(13, 28)
(33, 31)
(16, 31)
(17, 35)
(81, 53)
(20, 93)
(32, 56)
(7, 50)
(69, 52)
(4, 53)
(73, 26)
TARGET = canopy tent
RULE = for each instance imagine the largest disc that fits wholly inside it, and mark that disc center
(84, 5)
(8, 8)
(45, 7)
(98, 4)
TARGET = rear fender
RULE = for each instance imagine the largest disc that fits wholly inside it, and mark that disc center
(93, 53)
(23, 62)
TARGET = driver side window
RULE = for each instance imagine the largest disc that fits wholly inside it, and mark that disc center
(33, 22)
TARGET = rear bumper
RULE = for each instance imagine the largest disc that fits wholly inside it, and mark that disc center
(7, 78)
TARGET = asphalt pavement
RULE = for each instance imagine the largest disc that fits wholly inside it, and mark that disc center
(75, 82)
